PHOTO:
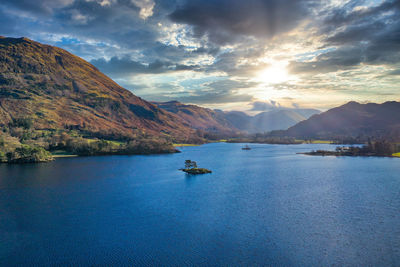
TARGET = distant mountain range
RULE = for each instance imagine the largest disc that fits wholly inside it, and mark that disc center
(233, 121)
(280, 119)
(352, 120)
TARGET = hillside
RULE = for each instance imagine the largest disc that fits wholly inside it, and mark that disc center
(199, 118)
(352, 120)
(58, 90)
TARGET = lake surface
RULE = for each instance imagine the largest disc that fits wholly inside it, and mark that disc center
(265, 206)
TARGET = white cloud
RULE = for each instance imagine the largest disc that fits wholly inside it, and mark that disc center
(146, 7)
(103, 2)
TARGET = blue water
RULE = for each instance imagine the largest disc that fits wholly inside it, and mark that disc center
(266, 206)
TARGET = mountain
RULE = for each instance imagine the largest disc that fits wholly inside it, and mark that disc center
(268, 121)
(58, 90)
(280, 119)
(239, 120)
(352, 120)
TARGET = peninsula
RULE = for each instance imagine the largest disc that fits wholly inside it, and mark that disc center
(372, 149)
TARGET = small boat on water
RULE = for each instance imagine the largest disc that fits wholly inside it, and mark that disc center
(246, 147)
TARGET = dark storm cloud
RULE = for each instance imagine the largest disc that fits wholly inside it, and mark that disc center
(223, 20)
(125, 66)
(365, 36)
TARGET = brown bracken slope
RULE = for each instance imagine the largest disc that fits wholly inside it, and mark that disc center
(199, 118)
(58, 90)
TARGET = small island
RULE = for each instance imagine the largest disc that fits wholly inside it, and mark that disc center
(191, 168)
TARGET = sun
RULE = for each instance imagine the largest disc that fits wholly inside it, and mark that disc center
(276, 72)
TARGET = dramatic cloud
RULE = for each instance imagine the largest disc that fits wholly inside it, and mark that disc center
(227, 53)
(223, 20)
(359, 36)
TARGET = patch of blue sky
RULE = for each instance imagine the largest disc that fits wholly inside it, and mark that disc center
(310, 55)
(68, 41)
(65, 41)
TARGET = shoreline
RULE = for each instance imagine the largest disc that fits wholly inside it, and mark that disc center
(184, 145)
(334, 154)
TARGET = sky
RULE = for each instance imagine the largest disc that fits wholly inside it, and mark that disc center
(252, 55)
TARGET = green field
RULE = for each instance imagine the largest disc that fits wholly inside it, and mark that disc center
(62, 154)
(321, 142)
(177, 145)
(112, 142)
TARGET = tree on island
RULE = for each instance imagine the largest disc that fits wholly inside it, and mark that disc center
(190, 164)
